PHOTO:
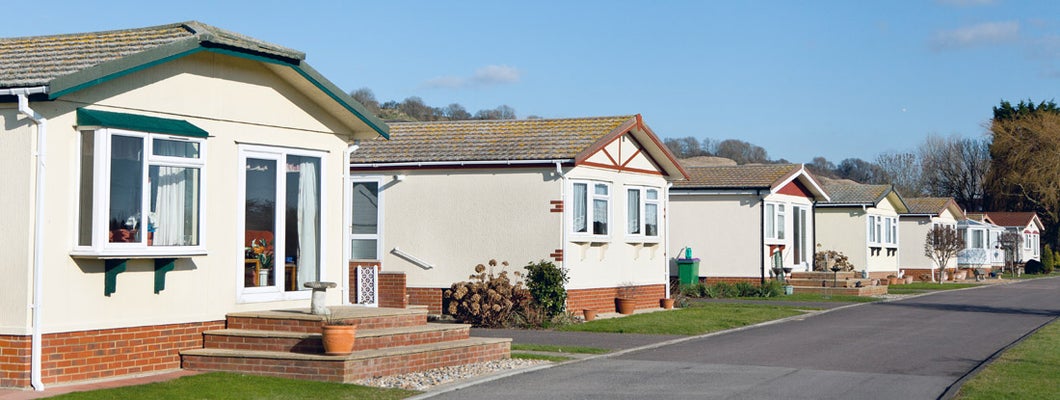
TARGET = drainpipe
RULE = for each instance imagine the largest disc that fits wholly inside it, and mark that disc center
(666, 244)
(762, 234)
(347, 219)
(38, 222)
(562, 215)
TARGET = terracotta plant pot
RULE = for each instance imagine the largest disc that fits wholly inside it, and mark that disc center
(338, 339)
(624, 305)
(666, 303)
(892, 280)
(589, 315)
(908, 280)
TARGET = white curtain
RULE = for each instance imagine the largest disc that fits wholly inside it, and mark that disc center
(633, 210)
(580, 202)
(169, 207)
(308, 222)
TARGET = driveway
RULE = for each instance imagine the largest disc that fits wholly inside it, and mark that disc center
(909, 349)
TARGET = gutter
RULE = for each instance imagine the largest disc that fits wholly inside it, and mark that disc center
(38, 222)
(458, 163)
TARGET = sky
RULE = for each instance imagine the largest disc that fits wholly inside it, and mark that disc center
(838, 79)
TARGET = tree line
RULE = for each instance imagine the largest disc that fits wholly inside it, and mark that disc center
(414, 109)
(1013, 168)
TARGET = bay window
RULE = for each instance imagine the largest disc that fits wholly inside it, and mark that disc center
(140, 191)
(591, 211)
(890, 225)
(642, 205)
(775, 221)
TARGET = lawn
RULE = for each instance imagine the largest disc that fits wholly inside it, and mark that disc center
(813, 297)
(922, 287)
(697, 319)
(227, 386)
(1026, 371)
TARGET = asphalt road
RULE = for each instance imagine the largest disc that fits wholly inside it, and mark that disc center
(910, 349)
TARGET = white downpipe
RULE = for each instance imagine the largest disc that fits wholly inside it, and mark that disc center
(38, 222)
(347, 221)
(562, 216)
(666, 243)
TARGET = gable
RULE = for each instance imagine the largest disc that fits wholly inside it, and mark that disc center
(623, 153)
(796, 188)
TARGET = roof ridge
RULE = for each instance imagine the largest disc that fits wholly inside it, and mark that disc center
(110, 31)
(484, 121)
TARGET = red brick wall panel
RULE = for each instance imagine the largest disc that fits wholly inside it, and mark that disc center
(603, 299)
(392, 290)
(430, 297)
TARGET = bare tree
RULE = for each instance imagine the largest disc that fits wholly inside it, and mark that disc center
(367, 99)
(456, 112)
(822, 167)
(956, 167)
(941, 245)
(742, 152)
(903, 171)
(861, 171)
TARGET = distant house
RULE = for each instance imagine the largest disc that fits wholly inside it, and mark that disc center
(1028, 226)
(982, 244)
(737, 218)
(924, 213)
(586, 193)
(138, 166)
(861, 221)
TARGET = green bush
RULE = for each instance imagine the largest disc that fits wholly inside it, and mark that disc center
(1034, 267)
(746, 289)
(724, 290)
(770, 289)
(1048, 259)
(546, 283)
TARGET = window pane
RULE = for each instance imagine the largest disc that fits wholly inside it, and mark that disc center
(633, 210)
(651, 219)
(260, 217)
(366, 207)
(781, 218)
(600, 217)
(174, 216)
(302, 239)
(770, 221)
(600, 189)
(126, 188)
(364, 249)
(653, 194)
(174, 148)
(580, 207)
(88, 157)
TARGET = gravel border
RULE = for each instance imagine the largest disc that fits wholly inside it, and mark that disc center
(425, 380)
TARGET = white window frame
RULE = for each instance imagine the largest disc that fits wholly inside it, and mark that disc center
(277, 293)
(642, 215)
(590, 204)
(100, 243)
(378, 235)
(777, 214)
(875, 230)
(890, 225)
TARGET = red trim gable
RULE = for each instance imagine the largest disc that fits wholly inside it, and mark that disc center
(796, 188)
(620, 162)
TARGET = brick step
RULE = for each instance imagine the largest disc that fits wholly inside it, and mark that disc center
(358, 365)
(300, 320)
(825, 275)
(861, 291)
(310, 343)
(828, 282)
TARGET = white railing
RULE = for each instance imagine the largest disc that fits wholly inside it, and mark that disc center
(981, 257)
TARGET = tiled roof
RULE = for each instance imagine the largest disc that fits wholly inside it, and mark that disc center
(1011, 218)
(37, 60)
(856, 193)
(927, 205)
(737, 176)
(495, 140)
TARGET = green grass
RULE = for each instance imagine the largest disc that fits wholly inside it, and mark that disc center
(923, 287)
(1029, 370)
(227, 386)
(559, 349)
(812, 297)
(698, 319)
(535, 356)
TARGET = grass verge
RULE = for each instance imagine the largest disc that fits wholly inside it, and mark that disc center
(1026, 371)
(559, 349)
(536, 356)
(923, 287)
(814, 297)
(697, 319)
(228, 386)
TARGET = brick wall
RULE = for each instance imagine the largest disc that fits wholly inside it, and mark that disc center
(392, 292)
(14, 361)
(603, 299)
(731, 279)
(94, 354)
(430, 297)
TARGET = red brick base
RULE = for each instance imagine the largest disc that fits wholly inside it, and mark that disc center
(82, 355)
(430, 297)
(392, 291)
(603, 299)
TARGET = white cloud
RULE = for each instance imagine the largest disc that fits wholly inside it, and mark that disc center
(987, 33)
(489, 75)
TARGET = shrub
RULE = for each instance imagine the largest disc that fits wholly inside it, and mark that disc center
(771, 289)
(691, 290)
(1048, 259)
(1033, 267)
(723, 289)
(487, 299)
(840, 259)
(745, 289)
(546, 283)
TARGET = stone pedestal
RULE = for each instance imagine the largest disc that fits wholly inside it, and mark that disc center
(316, 305)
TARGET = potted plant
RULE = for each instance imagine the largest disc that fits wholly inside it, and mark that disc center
(589, 314)
(626, 300)
(666, 304)
(892, 279)
(338, 336)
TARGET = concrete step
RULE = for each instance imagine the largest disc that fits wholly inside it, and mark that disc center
(310, 343)
(300, 320)
(358, 365)
(861, 291)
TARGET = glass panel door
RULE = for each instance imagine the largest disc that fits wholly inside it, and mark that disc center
(260, 221)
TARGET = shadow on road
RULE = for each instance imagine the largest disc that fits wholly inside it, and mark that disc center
(972, 308)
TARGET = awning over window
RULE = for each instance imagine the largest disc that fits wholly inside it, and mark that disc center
(139, 123)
